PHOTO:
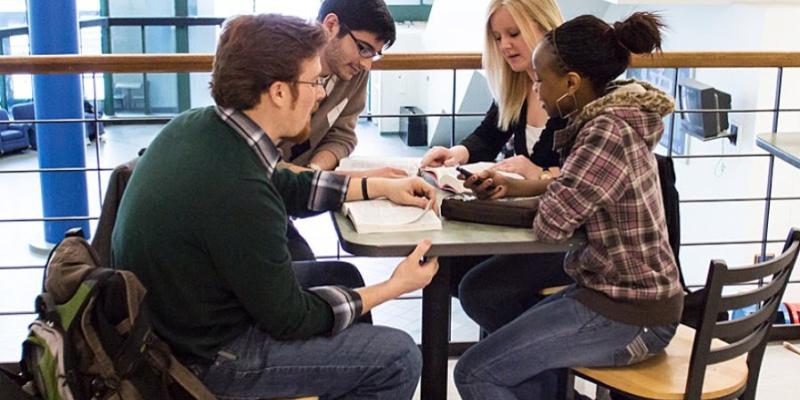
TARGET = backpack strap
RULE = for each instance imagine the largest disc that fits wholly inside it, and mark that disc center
(189, 381)
(131, 353)
(45, 306)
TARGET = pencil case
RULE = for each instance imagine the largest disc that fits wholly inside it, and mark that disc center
(517, 212)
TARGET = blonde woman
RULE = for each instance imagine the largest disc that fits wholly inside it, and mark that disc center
(495, 290)
(513, 29)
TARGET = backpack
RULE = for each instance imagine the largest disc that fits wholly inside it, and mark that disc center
(693, 301)
(93, 338)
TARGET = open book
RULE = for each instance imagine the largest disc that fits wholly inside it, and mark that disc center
(382, 215)
(408, 164)
(446, 178)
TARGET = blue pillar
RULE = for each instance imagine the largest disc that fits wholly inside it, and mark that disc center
(53, 27)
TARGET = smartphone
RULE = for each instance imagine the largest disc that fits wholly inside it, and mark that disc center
(467, 174)
(464, 172)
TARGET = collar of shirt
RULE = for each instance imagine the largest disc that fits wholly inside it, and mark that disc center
(255, 137)
(330, 82)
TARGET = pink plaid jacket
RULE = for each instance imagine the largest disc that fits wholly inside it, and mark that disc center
(609, 187)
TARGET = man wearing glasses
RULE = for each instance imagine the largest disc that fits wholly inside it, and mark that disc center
(209, 244)
(358, 31)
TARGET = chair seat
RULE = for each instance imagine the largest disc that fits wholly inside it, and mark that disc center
(12, 134)
(664, 376)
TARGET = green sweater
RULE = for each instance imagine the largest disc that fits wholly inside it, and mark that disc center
(204, 228)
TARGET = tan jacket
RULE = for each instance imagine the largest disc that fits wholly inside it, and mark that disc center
(333, 125)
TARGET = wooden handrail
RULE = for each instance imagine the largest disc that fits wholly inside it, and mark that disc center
(407, 61)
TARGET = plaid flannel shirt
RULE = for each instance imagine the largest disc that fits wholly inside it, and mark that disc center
(609, 186)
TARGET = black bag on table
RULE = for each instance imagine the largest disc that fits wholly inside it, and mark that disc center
(516, 212)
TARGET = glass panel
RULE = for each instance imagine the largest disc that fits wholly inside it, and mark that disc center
(199, 90)
(301, 8)
(141, 8)
(20, 86)
(126, 39)
(202, 39)
(226, 8)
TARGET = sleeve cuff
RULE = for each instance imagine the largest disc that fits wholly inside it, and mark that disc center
(345, 303)
(328, 191)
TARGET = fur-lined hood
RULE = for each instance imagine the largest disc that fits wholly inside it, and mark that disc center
(639, 103)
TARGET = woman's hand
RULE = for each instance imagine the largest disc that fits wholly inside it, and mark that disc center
(439, 156)
(487, 184)
(521, 165)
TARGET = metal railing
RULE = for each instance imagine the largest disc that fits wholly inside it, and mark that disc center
(185, 63)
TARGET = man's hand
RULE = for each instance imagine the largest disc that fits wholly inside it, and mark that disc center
(412, 274)
(521, 165)
(409, 191)
(438, 156)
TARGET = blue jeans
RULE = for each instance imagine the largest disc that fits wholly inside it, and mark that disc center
(524, 359)
(518, 277)
(362, 362)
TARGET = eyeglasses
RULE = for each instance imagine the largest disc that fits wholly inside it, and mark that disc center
(317, 83)
(365, 50)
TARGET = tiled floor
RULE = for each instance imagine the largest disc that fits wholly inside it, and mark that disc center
(18, 287)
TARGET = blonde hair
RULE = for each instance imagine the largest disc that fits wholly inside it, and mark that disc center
(509, 88)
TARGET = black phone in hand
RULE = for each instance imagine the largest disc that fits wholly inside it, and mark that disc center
(467, 174)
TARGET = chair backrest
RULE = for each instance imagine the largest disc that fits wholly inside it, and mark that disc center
(23, 111)
(3, 117)
(747, 335)
(108, 214)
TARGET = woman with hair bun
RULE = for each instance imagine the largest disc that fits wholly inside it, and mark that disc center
(626, 301)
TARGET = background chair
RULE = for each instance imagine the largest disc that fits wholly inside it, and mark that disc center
(12, 136)
(734, 348)
(26, 111)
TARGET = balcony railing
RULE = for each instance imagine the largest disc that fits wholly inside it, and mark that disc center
(185, 63)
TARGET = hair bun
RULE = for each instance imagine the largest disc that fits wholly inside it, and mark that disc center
(639, 33)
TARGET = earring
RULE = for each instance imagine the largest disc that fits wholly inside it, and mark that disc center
(574, 105)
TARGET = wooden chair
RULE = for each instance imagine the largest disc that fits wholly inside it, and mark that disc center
(721, 360)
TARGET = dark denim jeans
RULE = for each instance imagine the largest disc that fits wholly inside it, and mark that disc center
(496, 290)
(523, 359)
(362, 362)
